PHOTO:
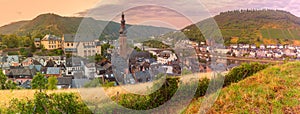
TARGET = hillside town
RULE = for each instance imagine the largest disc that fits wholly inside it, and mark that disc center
(77, 66)
(86, 58)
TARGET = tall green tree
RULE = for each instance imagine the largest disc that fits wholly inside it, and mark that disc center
(52, 82)
(39, 81)
(3, 79)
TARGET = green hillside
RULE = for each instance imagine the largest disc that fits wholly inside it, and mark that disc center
(58, 25)
(7, 29)
(250, 26)
(273, 90)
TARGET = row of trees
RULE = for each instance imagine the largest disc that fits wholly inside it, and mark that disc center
(39, 81)
(14, 41)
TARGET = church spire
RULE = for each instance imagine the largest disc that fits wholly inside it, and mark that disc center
(123, 25)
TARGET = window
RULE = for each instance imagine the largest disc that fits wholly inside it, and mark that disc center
(68, 44)
(71, 44)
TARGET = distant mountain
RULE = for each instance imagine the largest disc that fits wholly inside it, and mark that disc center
(58, 25)
(249, 26)
(8, 29)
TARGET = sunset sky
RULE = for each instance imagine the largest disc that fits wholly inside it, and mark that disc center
(16, 10)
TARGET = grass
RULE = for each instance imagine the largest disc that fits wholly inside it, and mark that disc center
(7, 95)
(89, 95)
(292, 34)
(273, 90)
(295, 33)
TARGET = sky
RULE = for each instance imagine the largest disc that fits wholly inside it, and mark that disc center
(166, 13)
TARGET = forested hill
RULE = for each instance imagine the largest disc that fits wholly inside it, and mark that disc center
(59, 25)
(251, 26)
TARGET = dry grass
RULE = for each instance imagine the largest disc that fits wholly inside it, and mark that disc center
(100, 95)
(94, 95)
(7, 95)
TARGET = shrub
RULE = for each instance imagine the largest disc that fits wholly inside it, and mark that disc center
(61, 103)
(153, 100)
(202, 87)
(13, 53)
(243, 71)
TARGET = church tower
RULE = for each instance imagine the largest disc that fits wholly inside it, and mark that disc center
(123, 38)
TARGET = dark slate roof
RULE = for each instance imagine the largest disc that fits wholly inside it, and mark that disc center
(64, 80)
(37, 39)
(21, 72)
(35, 62)
(37, 67)
(53, 70)
(12, 58)
(142, 76)
(50, 63)
(26, 84)
(73, 61)
(51, 37)
(79, 37)
(71, 49)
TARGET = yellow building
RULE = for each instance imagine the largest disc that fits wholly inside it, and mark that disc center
(81, 45)
(51, 42)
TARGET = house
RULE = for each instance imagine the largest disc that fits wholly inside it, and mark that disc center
(50, 63)
(262, 46)
(166, 56)
(129, 79)
(142, 76)
(109, 77)
(30, 61)
(64, 82)
(11, 60)
(253, 46)
(278, 55)
(20, 74)
(26, 84)
(103, 69)
(90, 70)
(81, 45)
(51, 42)
(274, 46)
(222, 51)
(73, 65)
(280, 46)
(37, 42)
(52, 71)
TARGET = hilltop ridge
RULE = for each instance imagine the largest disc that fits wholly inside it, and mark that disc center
(249, 27)
(50, 23)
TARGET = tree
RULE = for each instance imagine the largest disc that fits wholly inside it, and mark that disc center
(4, 84)
(32, 47)
(52, 82)
(39, 81)
(11, 85)
(43, 103)
(104, 48)
(3, 79)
